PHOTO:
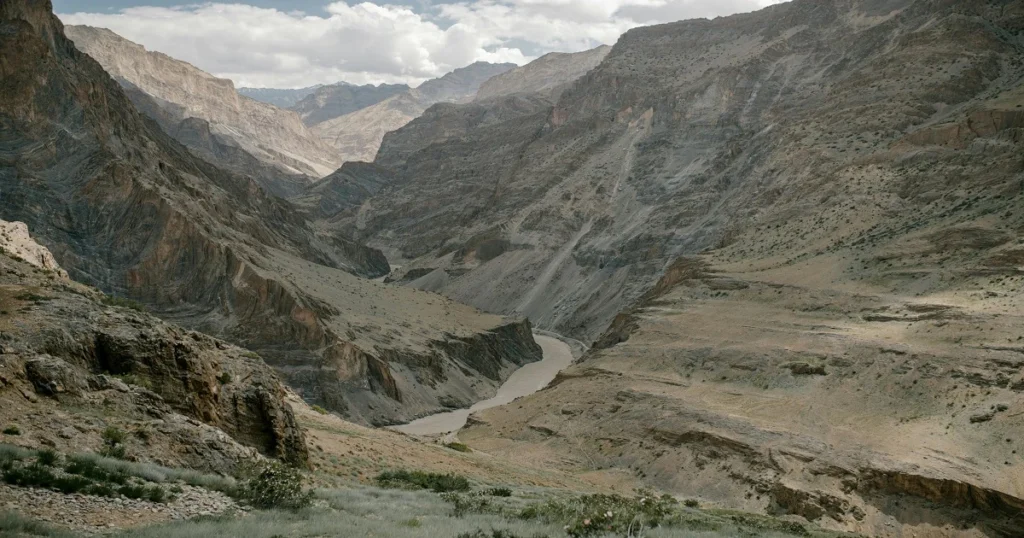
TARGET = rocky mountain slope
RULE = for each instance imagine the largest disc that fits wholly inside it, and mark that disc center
(846, 348)
(329, 102)
(279, 97)
(687, 136)
(547, 75)
(65, 351)
(358, 135)
(271, 134)
(124, 207)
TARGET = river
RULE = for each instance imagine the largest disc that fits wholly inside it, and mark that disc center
(522, 382)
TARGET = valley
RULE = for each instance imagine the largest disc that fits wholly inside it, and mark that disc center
(756, 275)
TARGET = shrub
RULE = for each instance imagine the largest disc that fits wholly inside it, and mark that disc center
(71, 484)
(493, 533)
(499, 492)
(113, 443)
(691, 503)
(121, 302)
(466, 504)
(277, 486)
(84, 466)
(12, 524)
(594, 515)
(320, 410)
(224, 378)
(47, 457)
(458, 447)
(440, 483)
(12, 430)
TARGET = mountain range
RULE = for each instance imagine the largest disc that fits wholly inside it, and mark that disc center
(793, 239)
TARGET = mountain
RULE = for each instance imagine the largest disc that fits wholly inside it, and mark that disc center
(125, 208)
(329, 102)
(270, 134)
(281, 98)
(547, 75)
(794, 236)
(358, 134)
(222, 151)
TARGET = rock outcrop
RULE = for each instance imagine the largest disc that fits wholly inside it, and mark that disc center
(16, 242)
(271, 134)
(199, 402)
(358, 135)
(125, 208)
(546, 76)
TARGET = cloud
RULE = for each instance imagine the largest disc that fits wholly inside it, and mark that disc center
(373, 43)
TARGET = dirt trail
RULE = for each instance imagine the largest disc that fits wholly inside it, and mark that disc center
(523, 382)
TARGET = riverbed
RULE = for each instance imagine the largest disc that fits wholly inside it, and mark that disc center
(522, 382)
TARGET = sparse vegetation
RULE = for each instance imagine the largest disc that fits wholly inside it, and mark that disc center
(277, 486)
(113, 443)
(458, 447)
(594, 515)
(121, 302)
(320, 410)
(499, 492)
(439, 483)
(12, 430)
(13, 524)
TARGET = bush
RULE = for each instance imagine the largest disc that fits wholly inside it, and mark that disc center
(691, 503)
(12, 524)
(466, 504)
(458, 447)
(277, 486)
(12, 430)
(320, 410)
(47, 457)
(594, 515)
(499, 492)
(440, 483)
(113, 443)
(493, 533)
(121, 302)
(224, 378)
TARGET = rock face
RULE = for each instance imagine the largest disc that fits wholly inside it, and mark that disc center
(358, 135)
(15, 241)
(548, 75)
(271, 134)
(329, 102)
(125, 208)
(279, 97)
(63, 351)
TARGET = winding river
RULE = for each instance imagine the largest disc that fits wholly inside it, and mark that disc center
(522, 382)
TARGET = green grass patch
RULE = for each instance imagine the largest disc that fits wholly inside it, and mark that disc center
(439, 483)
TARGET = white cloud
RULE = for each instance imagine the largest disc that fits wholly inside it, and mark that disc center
(372, 43)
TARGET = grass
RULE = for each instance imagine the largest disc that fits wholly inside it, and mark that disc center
(353, 512)
(110, 472)
(396, 513)
(13, 525)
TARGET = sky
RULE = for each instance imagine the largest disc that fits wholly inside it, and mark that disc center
(298, 43)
